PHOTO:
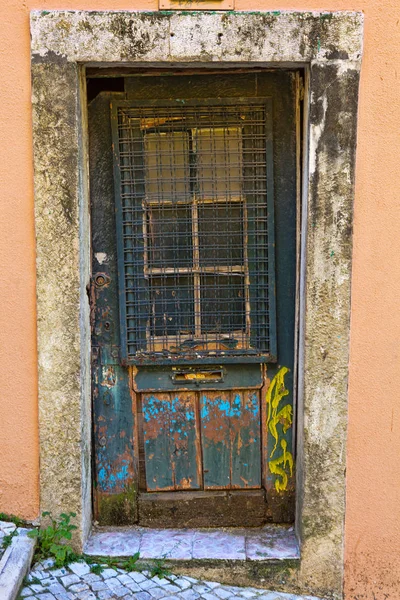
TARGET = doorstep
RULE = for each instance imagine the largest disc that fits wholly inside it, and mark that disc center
(262, 557)
(271, 542)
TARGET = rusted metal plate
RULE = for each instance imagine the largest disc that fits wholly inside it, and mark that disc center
(171, 441)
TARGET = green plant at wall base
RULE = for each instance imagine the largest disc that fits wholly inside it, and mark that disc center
(52, 540)
(13, 519)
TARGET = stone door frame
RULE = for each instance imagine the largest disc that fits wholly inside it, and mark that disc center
(329, 47)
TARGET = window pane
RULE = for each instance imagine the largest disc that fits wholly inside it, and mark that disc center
(166, 165)
(222, 303)
(172, 305)
(218, 161)
(221, 234)
(169, 234)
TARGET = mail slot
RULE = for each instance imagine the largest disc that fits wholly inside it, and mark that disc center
(198, 376)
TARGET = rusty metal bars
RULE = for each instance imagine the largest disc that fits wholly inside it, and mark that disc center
(195, 229)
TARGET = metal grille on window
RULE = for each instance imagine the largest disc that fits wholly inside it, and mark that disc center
(195, 230)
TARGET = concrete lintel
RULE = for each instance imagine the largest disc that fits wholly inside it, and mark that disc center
(126, 37)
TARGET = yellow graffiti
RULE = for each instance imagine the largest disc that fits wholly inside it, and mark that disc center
(275, 393)
(275, 467)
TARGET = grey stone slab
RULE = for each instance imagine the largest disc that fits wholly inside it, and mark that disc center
(85, 595)
(223, 593)
(68, 580)
(65, 596)
(25, 592)
(45, 596)
(161, 581)
(146, 585)
(79, 587)
(79, 568)
(272, 543)
(59, 572)
(15, 563)
(201, 588)
(183, 583)
(105, 595)
(108, 573)
(220, 545)
(134, 587)
(167, 543)
(137, 577)
(189, 595)
(56, 588)
(124, 578)
(98, 586)
(212, 584)
(143, 596)
(114, 543)
(113, 583)
(91, 578)
(37, 588)
(158, 592)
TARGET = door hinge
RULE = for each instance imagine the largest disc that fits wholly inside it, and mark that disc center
(90, 290)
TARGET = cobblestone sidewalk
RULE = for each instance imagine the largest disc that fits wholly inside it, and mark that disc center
(77, 582)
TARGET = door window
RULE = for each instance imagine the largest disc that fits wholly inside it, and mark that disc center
(195, 229)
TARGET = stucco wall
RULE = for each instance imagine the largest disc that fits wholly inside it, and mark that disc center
(373, 469)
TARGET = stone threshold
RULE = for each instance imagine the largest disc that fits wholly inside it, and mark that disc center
(269, 543)
(15, 562)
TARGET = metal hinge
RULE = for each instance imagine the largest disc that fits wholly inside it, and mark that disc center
(90, 290)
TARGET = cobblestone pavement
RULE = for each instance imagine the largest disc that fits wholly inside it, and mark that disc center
(77, 582)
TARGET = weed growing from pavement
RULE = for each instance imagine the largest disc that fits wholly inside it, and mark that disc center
(159, 569)
(53, 542)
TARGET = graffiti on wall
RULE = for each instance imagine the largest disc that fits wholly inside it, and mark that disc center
(280, 459)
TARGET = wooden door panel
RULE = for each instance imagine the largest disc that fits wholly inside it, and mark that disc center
(171, 441)
(215, 438)
(245, 439)
(230, 436)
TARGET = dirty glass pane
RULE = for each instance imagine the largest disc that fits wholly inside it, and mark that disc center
(218, 161)
(169, 236)
(222, 303)
(166, 157)
(172, 305)
(221, 234)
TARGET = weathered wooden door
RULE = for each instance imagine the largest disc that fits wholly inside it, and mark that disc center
(193, 191)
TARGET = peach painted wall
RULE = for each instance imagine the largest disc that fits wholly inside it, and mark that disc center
(373, 472)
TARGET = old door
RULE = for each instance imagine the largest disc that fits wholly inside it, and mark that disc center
(193, 190)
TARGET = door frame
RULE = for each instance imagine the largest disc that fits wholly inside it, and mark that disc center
(329, 47)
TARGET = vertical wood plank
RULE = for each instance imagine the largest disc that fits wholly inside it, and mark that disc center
(185, 452)
(215, 408)
(171, 441)
(156, 434)
(245, 439)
